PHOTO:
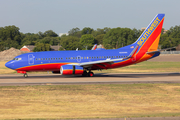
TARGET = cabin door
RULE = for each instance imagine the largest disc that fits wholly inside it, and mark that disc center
(78, 58)
(30, 59)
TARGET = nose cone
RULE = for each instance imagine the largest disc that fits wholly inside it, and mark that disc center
(9, 64)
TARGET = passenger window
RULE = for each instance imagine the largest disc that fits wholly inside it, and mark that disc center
(84, 57)
(100, 57)
(92, 57)
(44, 59)
(89, 57)
(81, 57)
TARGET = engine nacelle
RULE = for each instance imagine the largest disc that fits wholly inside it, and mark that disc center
(71, 70)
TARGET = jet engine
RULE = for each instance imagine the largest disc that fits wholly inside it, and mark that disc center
(71, 70)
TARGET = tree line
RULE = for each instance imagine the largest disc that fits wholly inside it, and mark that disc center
(110, 38)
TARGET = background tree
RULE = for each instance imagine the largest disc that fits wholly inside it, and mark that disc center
(100, 31)
(109, 38)
(87, 30)
(41, 47)
(70, 43)
(50, 33)
(10, 37)
(118, 37)
(75, 32)
(87, 40)
(99, 39)
(171, 38)
(50, 40)
(30, 39)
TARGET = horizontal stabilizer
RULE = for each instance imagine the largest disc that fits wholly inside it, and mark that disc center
(159, 50)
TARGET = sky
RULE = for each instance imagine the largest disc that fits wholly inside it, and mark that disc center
(32, 16)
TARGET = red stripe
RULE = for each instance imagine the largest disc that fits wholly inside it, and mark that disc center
(43, 67)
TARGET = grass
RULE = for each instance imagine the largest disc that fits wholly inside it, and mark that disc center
(89, 101)
(4, 69)
(146, 66)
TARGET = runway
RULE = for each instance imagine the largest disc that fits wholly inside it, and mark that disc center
(100, 78)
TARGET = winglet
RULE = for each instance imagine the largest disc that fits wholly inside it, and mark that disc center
(94, 47)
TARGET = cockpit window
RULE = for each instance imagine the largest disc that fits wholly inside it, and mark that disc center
(17, 59)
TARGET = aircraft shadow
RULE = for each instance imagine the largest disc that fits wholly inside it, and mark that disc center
(98, 75)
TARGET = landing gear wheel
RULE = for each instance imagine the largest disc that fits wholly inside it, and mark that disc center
(85, 74)
(91, 74)
(25, 75)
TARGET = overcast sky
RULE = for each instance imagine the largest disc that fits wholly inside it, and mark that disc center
(62, 15)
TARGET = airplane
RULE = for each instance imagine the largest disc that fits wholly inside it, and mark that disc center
(83, 62)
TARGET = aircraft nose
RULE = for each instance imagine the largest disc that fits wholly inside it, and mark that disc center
(9, 65)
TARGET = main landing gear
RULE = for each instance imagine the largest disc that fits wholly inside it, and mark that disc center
(88, 74)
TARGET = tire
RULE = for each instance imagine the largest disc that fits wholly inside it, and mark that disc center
(91, 74)
(25, 75)
(85, 74)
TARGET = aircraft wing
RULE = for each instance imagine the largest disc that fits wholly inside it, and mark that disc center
(100, 61)
(108, 60)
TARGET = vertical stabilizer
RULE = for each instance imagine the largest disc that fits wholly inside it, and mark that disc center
(149, 39)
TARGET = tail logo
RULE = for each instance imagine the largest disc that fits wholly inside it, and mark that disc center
(148, 31)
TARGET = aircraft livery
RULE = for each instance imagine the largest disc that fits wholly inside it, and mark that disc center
(84, 61)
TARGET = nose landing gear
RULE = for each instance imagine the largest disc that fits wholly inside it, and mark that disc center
(23, 72)
(25, 75)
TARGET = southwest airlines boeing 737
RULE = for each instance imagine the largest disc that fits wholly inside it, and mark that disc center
(82, 62)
